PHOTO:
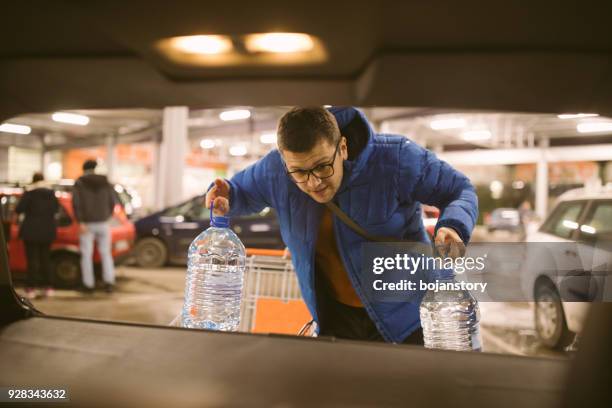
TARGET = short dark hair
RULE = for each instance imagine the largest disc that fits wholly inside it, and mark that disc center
(90, 164)
(38, 176)
(301, 128)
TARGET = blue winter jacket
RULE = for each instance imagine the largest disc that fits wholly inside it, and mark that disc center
(381, 190)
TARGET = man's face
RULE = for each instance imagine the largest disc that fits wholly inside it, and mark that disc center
(318, 159)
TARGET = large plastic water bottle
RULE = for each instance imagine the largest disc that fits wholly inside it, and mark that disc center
(450, 318)
(215, 275)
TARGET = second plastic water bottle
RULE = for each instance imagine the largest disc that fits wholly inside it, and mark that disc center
(215, 274)
(450, 318)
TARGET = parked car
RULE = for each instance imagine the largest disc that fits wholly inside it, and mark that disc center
(164, 236)
(504, 219)
(579, 230)
(65, 256)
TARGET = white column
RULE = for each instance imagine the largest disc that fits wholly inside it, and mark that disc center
(45, 160)
(158, 191)
(4, 159)
(170, 157)
(111, 158)
(541, 187)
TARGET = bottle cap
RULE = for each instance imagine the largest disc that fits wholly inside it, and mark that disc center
(218, 221)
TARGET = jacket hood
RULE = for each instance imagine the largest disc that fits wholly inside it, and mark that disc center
(94, 181)
(360, 137)
(38, 184)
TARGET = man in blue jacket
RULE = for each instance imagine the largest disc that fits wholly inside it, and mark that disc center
(379, 181)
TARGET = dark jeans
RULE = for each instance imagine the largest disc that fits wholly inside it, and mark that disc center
(39, 263)
(347, 322)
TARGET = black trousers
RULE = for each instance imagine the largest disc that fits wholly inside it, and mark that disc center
(348, 322)
(39, 263)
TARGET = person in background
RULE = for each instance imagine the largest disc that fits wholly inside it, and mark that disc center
(39, 206)
(93, 201)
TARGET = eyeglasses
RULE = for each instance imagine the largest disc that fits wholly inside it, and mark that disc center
(322, 171)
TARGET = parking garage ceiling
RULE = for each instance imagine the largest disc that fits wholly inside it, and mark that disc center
(477, 129)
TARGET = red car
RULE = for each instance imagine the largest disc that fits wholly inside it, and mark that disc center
(65, 257)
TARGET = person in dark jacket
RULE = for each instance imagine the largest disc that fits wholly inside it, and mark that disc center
(380, 182)
(93, 201)
(39, 205)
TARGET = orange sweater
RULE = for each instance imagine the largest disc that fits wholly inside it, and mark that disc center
(329, 263)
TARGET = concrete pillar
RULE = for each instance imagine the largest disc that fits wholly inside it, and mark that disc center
(4, 158)
(170, 157)
(541, 187)
(111, 158)
(158, 182)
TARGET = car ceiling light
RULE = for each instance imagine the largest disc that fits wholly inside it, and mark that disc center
(202, 44)
(13, 128)
(243, 49)
(594, 127)
(207, 144)
(281, 43)
(471, 135)
(268, 138)
(236, 114)
(70, 118)
(238, 150)
(443, 124)
(576, 115)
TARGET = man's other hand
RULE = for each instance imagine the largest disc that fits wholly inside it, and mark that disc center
(448, 243)
(219, 193)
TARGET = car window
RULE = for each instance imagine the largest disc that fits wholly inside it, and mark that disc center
(177, 210)
(564, 220)
(600, 220)
(198, 210)
(62, 217)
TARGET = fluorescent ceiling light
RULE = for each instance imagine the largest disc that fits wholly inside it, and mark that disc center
(442, 124)
(207, 144)
(13, 128)
(238, 150)
(570, 224)
(202, 44)
(588, 229)
(268, 138)
(70, 118)
(236, 114)
(279, 42)
(576, 115)
(594, 127)
(472, 135)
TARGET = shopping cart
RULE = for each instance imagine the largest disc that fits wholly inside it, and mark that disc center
(272, 301)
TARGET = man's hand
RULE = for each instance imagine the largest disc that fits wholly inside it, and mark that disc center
(219, 193)
(83, 228)
(448, 243)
